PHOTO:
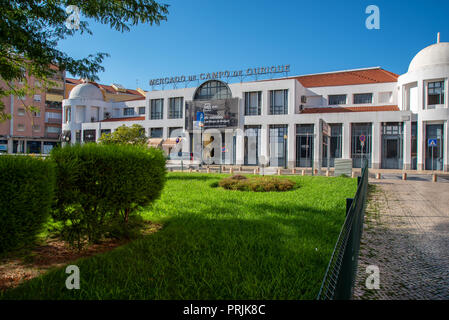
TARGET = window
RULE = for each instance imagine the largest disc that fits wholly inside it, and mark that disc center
(175, 108)
(141, 110)
(53, 129)
(105, 131)
(212, 90)
(175, 132)
(156, 132)
(20, 127)
(279, 102)
(68, 113)
(23, 98)
(157, 106)
(53, 104)
(337, 99)
(362, 98)
(385, 97)
(253, 103)
(37, 97)
(21, 111)
(37, 114)
(435, 93)
(335, 146)
(53, 115)
(36, 128)
(128, 111)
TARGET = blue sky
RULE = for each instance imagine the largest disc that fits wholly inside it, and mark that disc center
(311, 36)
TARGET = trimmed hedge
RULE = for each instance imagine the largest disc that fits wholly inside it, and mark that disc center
(98, 183)
(26, 194)
(256, 184)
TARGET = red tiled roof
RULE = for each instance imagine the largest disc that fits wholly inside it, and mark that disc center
(124, 119)
(350, 109)
(107, 88)
(344, 78)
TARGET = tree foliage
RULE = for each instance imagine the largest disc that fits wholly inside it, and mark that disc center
(126, 135)
(30, 31)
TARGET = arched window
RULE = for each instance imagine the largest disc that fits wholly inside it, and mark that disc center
(212, 90)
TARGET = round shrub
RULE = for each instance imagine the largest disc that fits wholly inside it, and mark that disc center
(26, 194)
(97, 183)
(256, 184)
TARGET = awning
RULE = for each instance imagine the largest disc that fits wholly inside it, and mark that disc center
(170, 142)
(154, 142)
(54, 97)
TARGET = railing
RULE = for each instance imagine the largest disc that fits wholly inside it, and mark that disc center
(339, 280)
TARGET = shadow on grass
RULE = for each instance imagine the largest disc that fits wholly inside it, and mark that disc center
(194, 257)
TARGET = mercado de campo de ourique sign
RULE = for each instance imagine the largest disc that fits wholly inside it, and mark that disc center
(222, 75)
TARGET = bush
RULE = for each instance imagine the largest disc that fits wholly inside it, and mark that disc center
(98, 183)
(256, 184)
(26, 194)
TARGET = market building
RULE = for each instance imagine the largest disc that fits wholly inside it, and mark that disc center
(395, 122)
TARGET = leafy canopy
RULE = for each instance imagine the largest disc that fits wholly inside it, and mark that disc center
(30, 31)
(126, 135)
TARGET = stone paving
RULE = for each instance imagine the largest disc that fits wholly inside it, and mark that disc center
(406, 234)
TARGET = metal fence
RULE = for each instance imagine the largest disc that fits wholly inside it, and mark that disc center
(339, 280)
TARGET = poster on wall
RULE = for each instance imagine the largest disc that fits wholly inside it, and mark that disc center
(214, 114)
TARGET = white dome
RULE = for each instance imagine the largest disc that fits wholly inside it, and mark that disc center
(436, 54)
(86, 91)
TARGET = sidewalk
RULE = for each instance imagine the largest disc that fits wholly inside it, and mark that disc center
(406, 234)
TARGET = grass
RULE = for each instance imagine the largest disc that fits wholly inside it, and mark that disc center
(216, 244)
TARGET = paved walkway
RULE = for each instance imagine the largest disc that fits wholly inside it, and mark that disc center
(406, 234)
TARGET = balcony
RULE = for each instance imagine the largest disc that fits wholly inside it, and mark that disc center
(53, 121)
(53, 105)
(52, 135)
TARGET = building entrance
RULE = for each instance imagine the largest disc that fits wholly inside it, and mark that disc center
(304, 145)
(392, 146)
(434, 155)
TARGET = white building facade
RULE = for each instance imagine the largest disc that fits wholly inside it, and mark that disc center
(371, 113)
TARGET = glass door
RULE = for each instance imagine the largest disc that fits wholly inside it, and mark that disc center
(361, 150)
(434, 155)
(252, 145)
(278, 145)
(304, 145)
(392, 146)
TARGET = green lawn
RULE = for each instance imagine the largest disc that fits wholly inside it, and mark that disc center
(216, 244)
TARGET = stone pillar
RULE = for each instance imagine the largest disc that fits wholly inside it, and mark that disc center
(73, 136)
(407, 145)
(317, 145)
(240, 147)
(446, 147)
(10, 145)
(291, 143)
(421, 150)
(264, 145)
(376, 154)
(265, 109)
(346, 140)
(165, 109)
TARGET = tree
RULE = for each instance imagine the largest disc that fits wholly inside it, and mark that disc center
(126, 135)
(30, 31)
